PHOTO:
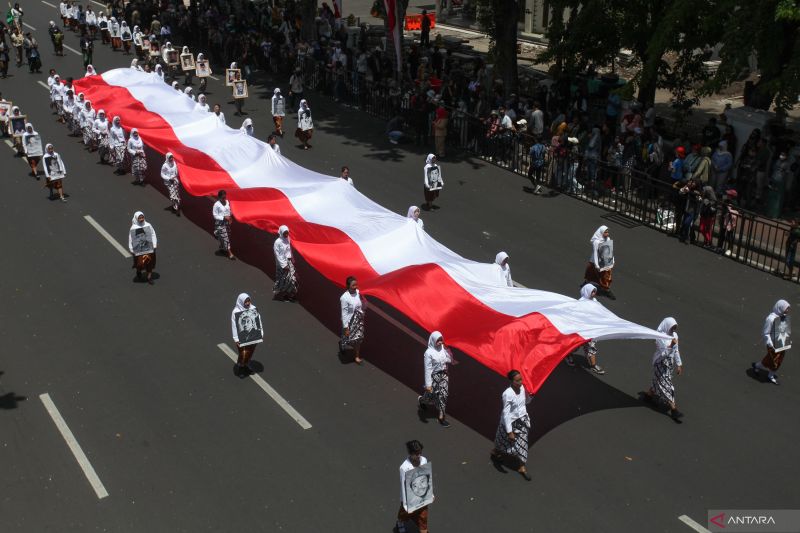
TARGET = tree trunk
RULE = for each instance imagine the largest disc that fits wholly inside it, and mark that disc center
(505, 22)
(308, 10)
(647, 92)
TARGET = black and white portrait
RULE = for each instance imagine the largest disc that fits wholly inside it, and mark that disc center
(781, 333)
(142, 240)
(240, 89)
(418, 488)
(53, 169)
(126, 35)
(605, 255)
(33, 146)
(187, 62)
(172, 57)
(18, 125)
(248, 327)
(434, 177)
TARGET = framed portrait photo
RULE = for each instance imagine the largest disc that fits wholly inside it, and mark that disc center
(172, 57)
(249, 328)
(418, 487)
(5, 108)
(232, 75)
(126, 35)
(202, 69)
(142, 240)
(33, 146)
(187, 62)
(240, 89)
(17, 125)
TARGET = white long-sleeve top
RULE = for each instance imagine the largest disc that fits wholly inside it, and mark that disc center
(283, 252)
(349, 303)
(221, 118)
(663, 349)
(135, 146)
(169, 172)
(435, 361)
(46, 164)
(57, 91)
(221, 211)
(405, 467)
(116, 136)
(87, 117)
(155, 239)
(514, 406)
(100, 127)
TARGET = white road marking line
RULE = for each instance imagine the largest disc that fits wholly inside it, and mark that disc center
(398, 325)
(519, 285)
(272, 393)
(49, 4)
(108, 237)
(74, 447)
(43, 84)
(213, 77)
(692, 524)
(28, 26)
(10, 144)
(73, 50)
(99, 4)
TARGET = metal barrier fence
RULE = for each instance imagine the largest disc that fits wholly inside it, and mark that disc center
(639, 196)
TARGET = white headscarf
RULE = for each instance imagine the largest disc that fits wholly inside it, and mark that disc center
(276, 91)
(429, 159)
(411, 212)
(175, 86)
(135, 221)
(598, 235)
(499, 258)
(185, 50)
(586, 291)
(302, 109)
(433, 339)
(780, 307)
(662, 345)
(200, 56)
(135, 140)
(160, 71)
(240, 303)
(233, 66)
(135, 64)
(281, 231)
(248, 123)
(167, 156)
(90, 70)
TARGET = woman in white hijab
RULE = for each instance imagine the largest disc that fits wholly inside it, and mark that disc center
(285, 287)
(245, 319)
(176, 86)
(203, 79)
(437, 382)
(777, 336)
(201, 104)
(666, 359)
(432, 182)
(187, 74)
(247, 127)
(601, 262)
(142, 243)
(135, 65)
(188, 92)
(100, 129)
(169, 173)
(352, 306)
(588, 293)
(138, 159)
(501, 260)
(159, 71)
(126, 36)
(305, 124)
(117, 146)
(90, 71)
(33, 160)
(75, 116)
(87, 125)
(54, 171)
(413, 214)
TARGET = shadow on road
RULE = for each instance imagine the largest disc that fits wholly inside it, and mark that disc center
(10, 400)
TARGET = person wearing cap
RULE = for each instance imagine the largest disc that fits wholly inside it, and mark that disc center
(676, 167)
(278, 110)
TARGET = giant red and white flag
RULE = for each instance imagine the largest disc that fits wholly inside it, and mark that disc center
(340, 232)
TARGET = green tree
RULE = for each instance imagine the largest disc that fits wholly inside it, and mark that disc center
(769, 31)
(498, 18)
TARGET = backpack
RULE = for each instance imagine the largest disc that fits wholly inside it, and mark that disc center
(537, 155)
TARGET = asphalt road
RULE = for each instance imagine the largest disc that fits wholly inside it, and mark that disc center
(181, 444)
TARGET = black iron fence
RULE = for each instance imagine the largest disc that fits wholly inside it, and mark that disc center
(645, 197)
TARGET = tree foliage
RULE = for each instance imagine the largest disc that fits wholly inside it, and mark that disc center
(670, 39)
